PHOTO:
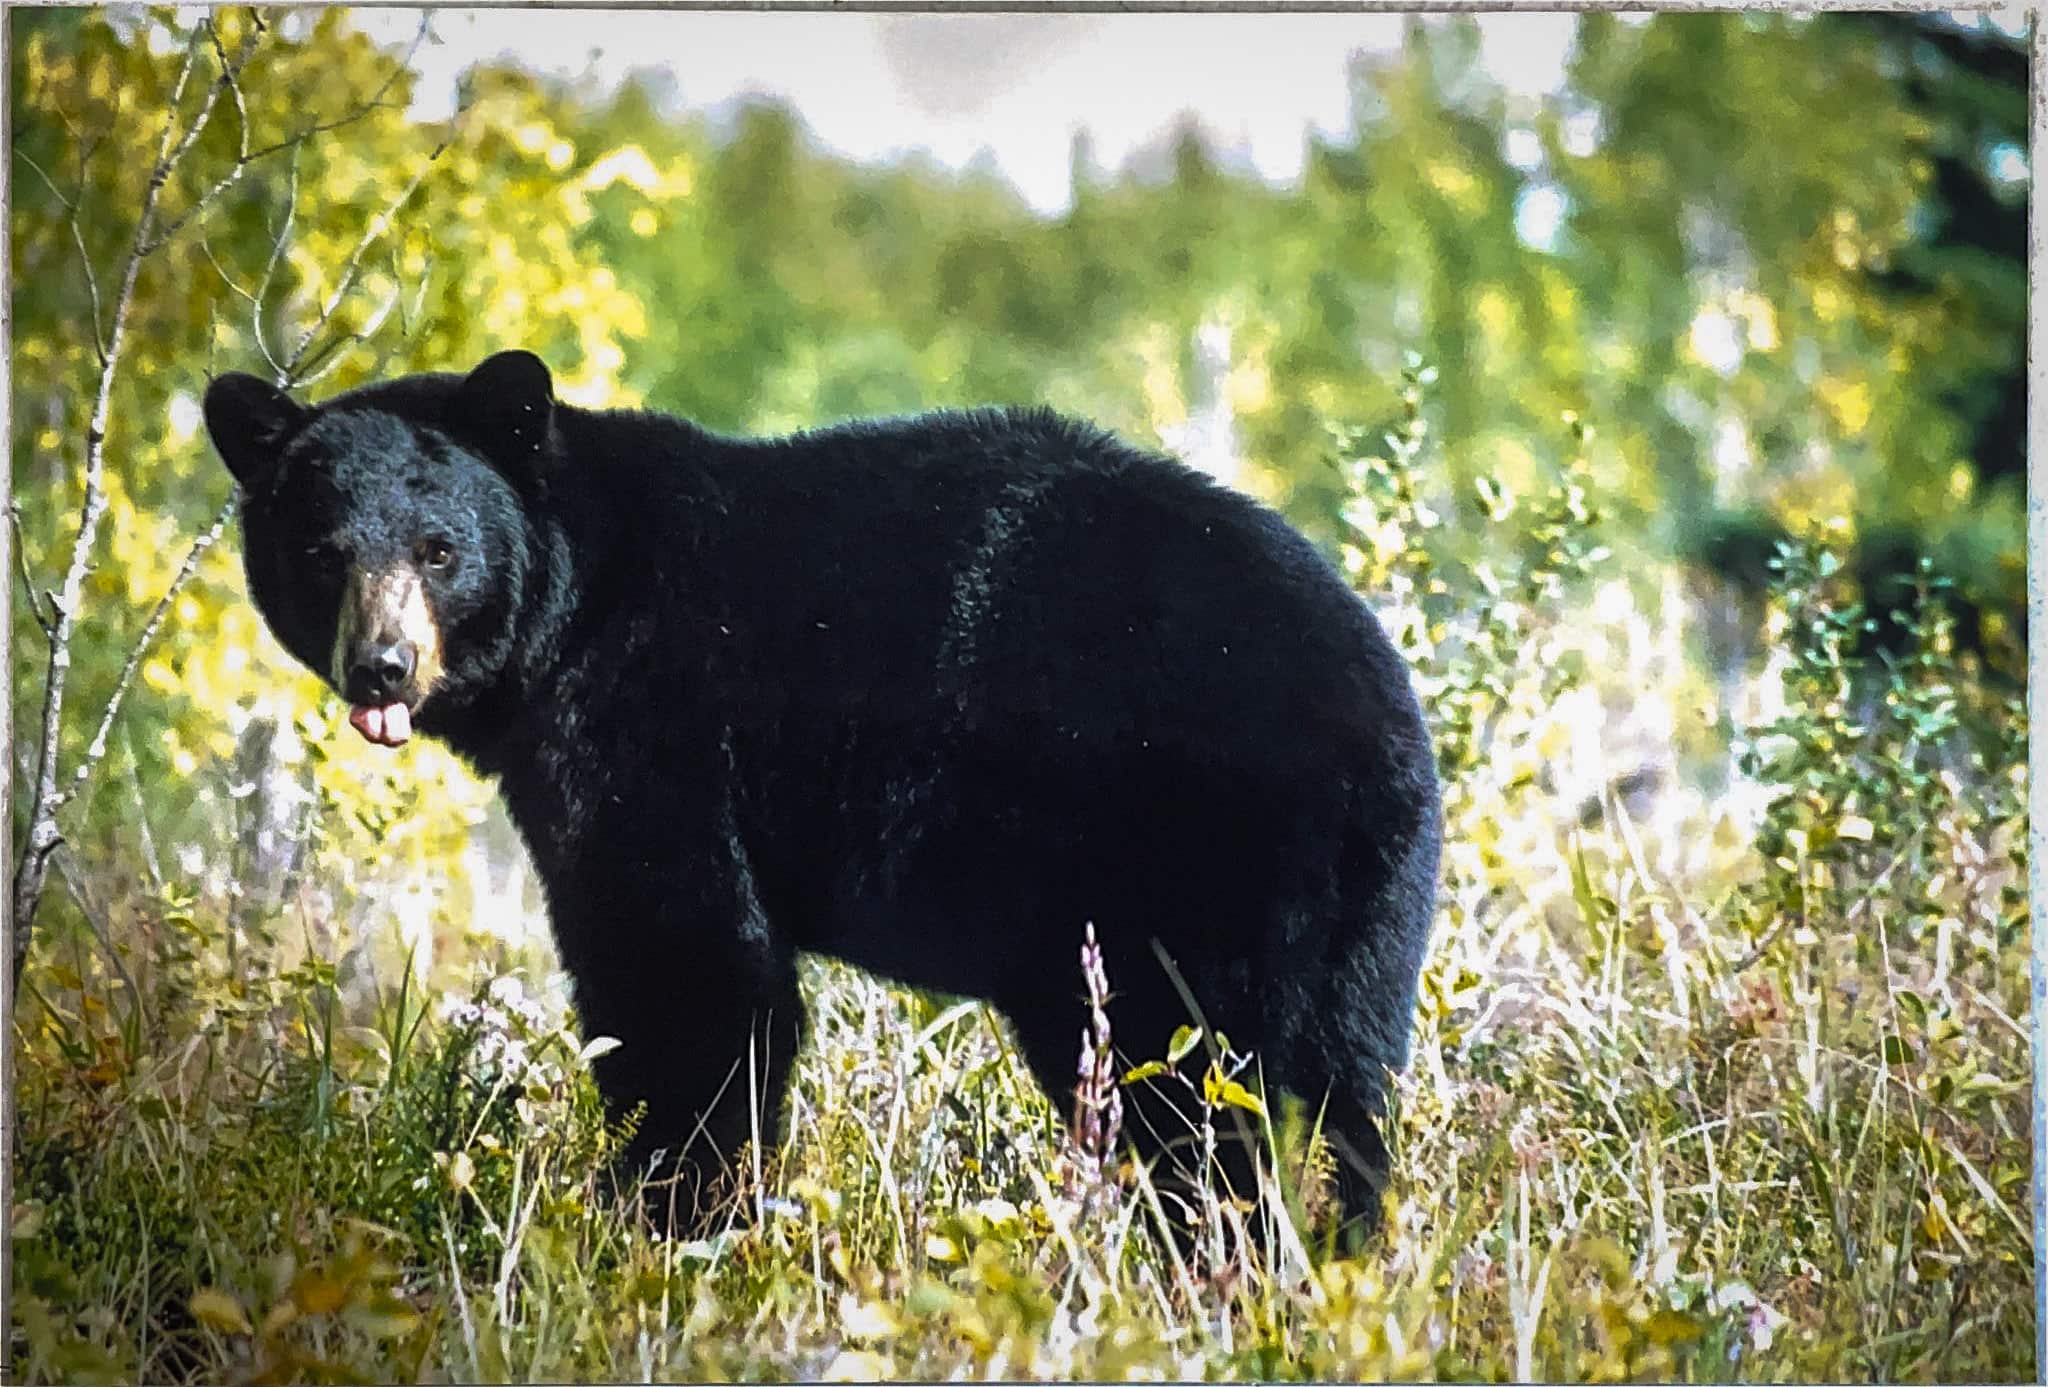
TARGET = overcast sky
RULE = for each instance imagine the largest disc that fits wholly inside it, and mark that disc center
(1017, 86)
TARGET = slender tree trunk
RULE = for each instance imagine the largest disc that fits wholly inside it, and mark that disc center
(52, 788)
(43, 836)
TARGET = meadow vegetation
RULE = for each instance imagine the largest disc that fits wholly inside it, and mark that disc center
(1755, 1106)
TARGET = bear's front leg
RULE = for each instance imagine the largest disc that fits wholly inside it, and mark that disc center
(676, 961)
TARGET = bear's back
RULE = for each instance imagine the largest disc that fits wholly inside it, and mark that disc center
(1012, 570)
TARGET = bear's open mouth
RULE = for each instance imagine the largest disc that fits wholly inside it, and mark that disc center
(387, 725)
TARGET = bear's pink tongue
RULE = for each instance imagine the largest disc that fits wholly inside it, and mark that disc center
(389, 725)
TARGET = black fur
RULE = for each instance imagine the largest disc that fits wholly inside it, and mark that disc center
(927, 695)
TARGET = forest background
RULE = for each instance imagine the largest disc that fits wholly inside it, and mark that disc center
(1675, 422)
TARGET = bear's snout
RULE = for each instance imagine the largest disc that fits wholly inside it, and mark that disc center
(379, 672)
(387, 643)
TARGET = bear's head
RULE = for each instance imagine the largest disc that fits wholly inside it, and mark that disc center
(387, 534)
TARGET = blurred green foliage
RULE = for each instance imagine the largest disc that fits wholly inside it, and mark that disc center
(1756, 284)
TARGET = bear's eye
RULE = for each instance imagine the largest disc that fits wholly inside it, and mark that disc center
(437, 554)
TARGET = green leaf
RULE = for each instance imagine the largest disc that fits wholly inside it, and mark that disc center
(1237, 1095)
(1186, 1038)
(1218, 1091)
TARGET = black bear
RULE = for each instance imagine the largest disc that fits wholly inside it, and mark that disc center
(929, 695)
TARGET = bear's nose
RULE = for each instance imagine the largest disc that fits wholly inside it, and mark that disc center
(380, 671)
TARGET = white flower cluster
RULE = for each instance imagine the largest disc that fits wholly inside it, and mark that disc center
(512, 1031)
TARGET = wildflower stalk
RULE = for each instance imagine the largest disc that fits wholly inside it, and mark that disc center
(1098, 1105)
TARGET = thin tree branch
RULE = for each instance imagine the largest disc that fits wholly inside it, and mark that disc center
(324, 361)
(97, 748)
(245, 157)
(92, 285)
(279, 240)
(43, 835)
(76, 222)
(213, 90)
(26, 270)
(327, 126)
(231, 73)
(48, 182)
(379, 225)
(230, 80)
(409, 323)
(28, 579)
(373, 102)
(206, 249)
(53, 790)
(73, 208)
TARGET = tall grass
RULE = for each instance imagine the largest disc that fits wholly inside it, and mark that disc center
(1719, 1073)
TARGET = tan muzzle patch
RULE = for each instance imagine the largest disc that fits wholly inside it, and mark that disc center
(384, 608)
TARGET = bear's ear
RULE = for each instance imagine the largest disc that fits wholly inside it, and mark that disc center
(508, 402)
(248, 418)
